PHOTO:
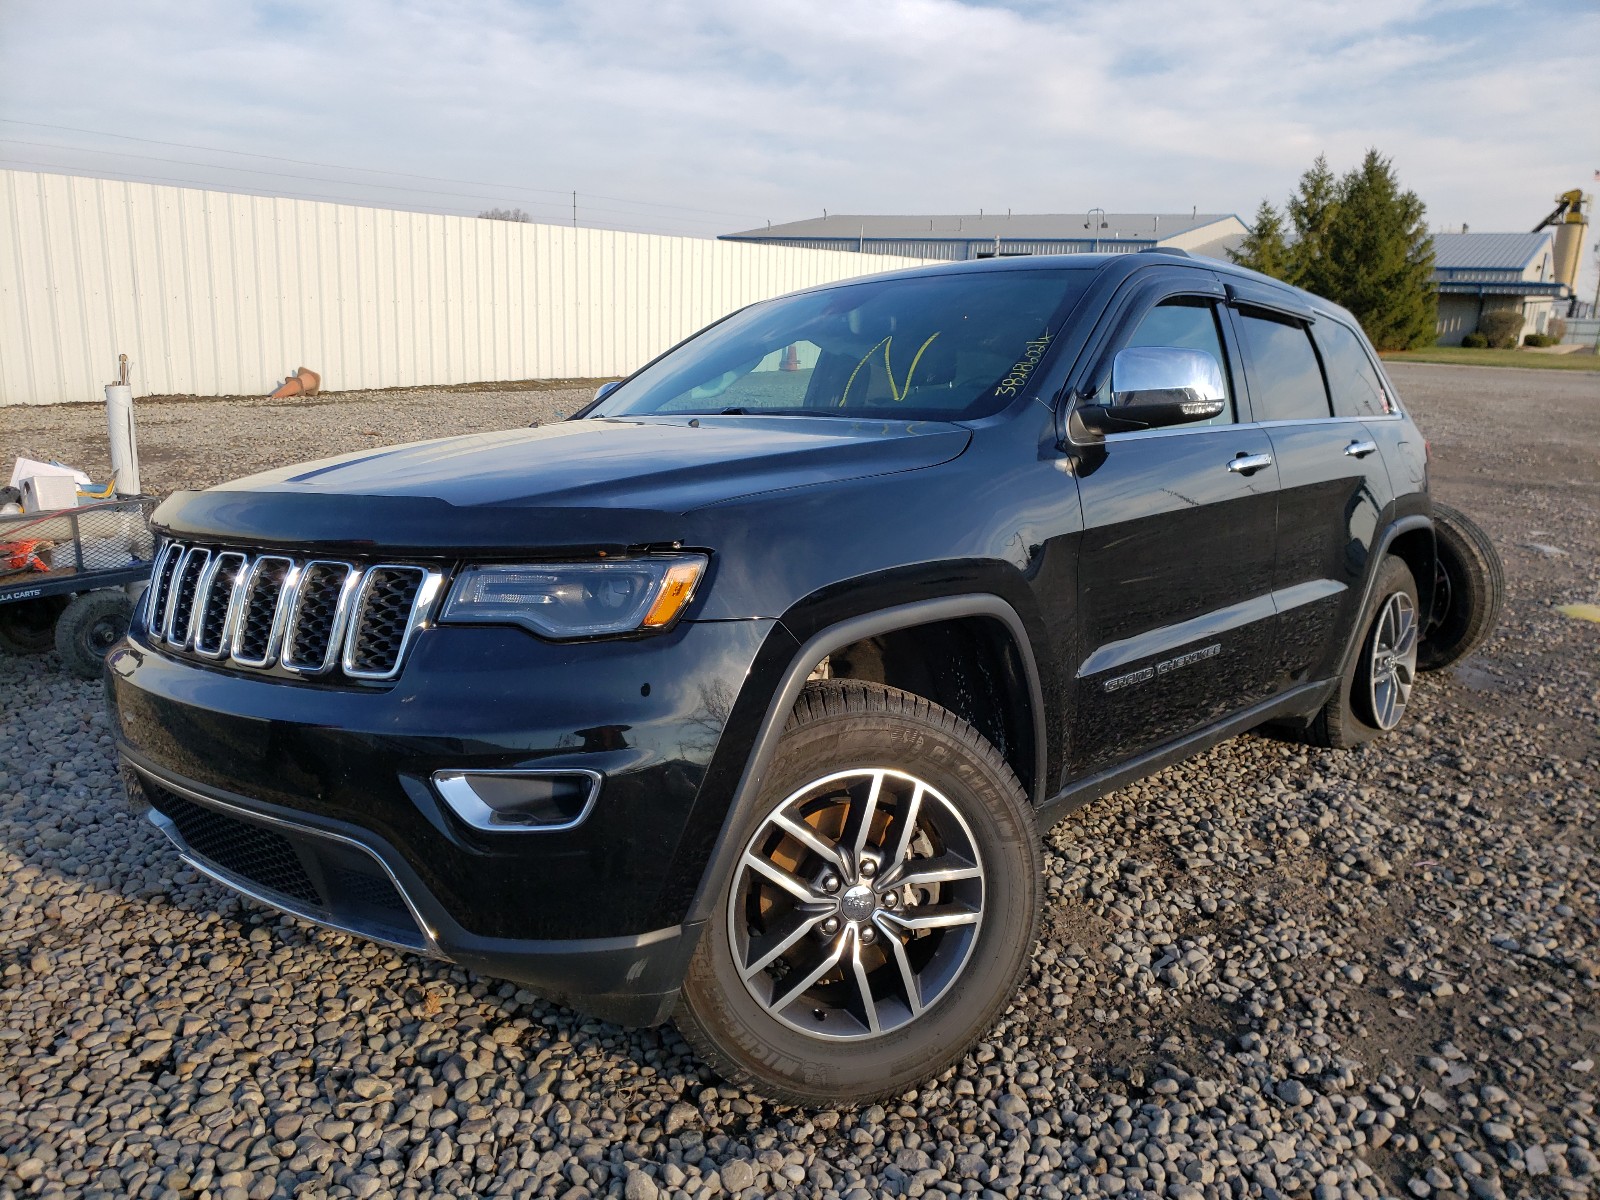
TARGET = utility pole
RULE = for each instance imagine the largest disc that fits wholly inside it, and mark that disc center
(574, 210)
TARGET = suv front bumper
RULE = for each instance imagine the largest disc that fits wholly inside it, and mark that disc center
(317, 800)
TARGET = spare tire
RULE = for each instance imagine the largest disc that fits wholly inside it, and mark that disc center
(1469, 587)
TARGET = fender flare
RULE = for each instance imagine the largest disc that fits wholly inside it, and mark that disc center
(793, 682)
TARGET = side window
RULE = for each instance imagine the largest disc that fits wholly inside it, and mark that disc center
(1285, 377)
(1357, 387)
(1190, 322)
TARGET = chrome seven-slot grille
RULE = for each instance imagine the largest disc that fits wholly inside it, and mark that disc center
(309, 616)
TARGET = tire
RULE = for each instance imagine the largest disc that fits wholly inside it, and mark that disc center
(851, 748)
(1469, 590)
(29, 627)
(1374, 690)
(92, 623)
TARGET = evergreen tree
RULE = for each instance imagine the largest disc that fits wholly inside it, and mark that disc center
(1374, 256)
(1312, 210)
(1265, 248)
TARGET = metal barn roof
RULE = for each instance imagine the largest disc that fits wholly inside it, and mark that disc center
(1487, 251)
(1031, 226)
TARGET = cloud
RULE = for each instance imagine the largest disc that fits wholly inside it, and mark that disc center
(752, 111)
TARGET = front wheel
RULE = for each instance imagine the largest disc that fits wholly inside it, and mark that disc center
(882, 908)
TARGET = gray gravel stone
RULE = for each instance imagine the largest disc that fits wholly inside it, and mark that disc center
(1293, 1092)
(737, 1175)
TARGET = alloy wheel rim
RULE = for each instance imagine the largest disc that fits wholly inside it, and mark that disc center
(856, 904)
(1392, 668)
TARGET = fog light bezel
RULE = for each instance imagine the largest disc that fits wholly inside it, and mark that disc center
(453, 786)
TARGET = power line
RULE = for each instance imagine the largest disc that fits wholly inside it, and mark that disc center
(363, 170)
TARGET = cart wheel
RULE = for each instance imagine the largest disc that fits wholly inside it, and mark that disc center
(92, 624)
(29, 626)
(1469, 588)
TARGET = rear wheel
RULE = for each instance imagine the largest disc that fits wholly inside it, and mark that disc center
(882, 908)
(29, 626)
(1375, 690)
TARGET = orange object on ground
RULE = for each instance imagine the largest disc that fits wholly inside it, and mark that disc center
(304, 382)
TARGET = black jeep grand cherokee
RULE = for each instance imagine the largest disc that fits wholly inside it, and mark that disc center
(742, 697)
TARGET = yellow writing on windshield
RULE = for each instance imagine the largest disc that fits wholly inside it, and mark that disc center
(1019, 373)
(898, 391)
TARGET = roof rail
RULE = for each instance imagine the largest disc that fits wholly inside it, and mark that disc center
(1163, 250)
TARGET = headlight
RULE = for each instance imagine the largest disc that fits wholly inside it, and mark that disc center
(575, 600)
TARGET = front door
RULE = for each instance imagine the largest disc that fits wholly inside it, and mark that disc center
(1176, 562)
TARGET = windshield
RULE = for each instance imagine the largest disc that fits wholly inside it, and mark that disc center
(942, 347)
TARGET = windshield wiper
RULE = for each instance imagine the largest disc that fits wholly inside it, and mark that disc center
(734, 412)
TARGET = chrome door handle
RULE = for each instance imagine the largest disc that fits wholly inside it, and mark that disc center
(1360, 449)
(1249, 464)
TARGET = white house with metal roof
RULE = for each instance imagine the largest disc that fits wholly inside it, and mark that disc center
(985, 235)
(1478, 273)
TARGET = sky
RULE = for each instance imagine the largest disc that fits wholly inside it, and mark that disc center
(712, 116)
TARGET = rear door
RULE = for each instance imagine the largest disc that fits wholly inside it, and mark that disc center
(1176, 559)
(1332, 483)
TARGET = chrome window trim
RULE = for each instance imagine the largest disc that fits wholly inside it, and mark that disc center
(273, 900)
(279, 615)
(1326, 420)
(179, 639)
(421, 604)
(456, 792)
(341, 613)
(1181, 430)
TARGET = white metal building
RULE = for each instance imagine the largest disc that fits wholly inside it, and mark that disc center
(214, 293)
(1478, 273)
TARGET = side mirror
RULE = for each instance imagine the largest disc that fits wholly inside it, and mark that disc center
(604, 390)
(1154, 386)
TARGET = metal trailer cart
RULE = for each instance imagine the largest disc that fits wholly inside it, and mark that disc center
(66, 578)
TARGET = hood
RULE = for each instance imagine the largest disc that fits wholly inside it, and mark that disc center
(600, 482)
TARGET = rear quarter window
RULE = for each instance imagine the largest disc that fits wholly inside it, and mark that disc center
(1358, 390)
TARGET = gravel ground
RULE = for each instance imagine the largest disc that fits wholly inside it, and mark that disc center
(185, 442)
(1268, 972)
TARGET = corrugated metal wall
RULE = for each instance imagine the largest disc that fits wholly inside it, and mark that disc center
(1582, 331)
(211, 293)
